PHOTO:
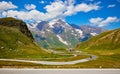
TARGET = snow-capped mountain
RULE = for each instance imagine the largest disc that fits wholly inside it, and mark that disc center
(58, 33)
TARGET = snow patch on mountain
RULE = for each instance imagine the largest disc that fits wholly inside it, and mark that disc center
(79, 31)
(51, 24)
(48, 30)
(93, 34)
(60, 39)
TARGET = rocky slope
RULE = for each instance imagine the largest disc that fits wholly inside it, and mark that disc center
(58, 33)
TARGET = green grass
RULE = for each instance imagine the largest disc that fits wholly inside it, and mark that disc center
(13, 43)
(8, 64)
(60, 49)
(105, 59)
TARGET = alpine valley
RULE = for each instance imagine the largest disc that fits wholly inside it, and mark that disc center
(18, 47)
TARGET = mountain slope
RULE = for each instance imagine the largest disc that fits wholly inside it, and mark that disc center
(55, 34)
(16, 40)
(109, 40)
(91, 29)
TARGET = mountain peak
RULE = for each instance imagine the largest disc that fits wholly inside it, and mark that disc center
(60, 20)
(61, 34)
(57, 21)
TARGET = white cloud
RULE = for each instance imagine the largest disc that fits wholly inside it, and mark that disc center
(6, 5)
(95, 20)
(4, 14)
(55, 10)
(71, 2)
(112, 5)
(55, 7)
(30, 6)
(86, 8)
(25, 15)
(103, 22)
(83, 7)
(108, 21)
(68, 8)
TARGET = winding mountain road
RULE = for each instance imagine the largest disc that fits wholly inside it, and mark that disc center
(92, 57)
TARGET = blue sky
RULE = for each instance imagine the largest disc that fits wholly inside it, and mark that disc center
(99, 13)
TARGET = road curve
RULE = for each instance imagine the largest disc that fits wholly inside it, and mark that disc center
(93, 57)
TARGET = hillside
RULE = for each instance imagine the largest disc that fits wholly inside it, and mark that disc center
(106, 46)
(109, 40)
(16, 40)
(19, 24)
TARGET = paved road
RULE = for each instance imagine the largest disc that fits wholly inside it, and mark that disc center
(59, 71)
(93, 57)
